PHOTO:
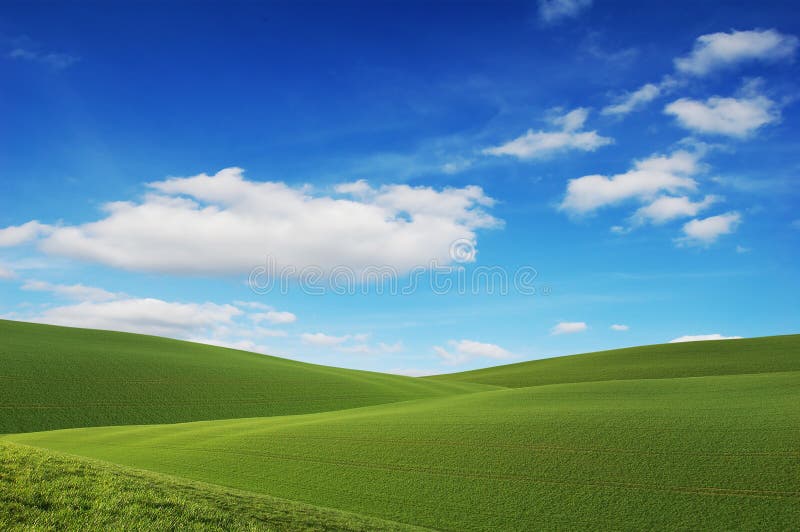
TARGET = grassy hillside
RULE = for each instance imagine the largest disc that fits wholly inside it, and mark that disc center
(714, 452)
(44, 490)
(58, 377)
(721, 357)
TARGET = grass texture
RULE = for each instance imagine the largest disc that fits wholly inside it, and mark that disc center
(687, 359)
(717, 452)
(58, 377)
(681, 436)
(42, 490)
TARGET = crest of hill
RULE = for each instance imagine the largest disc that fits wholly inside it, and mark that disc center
(689, 359)
(59, 377)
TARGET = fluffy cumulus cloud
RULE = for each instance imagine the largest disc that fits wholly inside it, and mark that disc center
(705, 231)
(733, 117)
(569, 327)
(721, 50)
(231, 325)
(538, 144)
(634, 100)
(667, 208)
(702, 337)
(142, 315)
(648, 178)
(19, 234)
(619, 327)
(660, 185)
(554, 11)
(462, 351)
(223, 224)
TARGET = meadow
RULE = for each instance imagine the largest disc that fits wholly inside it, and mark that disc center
(58, 377)
(650, 437)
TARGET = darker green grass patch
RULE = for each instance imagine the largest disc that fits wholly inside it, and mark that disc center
(688, 359)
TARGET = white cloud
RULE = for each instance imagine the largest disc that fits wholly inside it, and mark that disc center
(705, 231)
(6, 273)
(667, 208)
(456, 166)
(648, 178)
(702, 337)
(390, 348)
(256, 305)
(536, 144)
(718, 50)
(323, 339)
(57, 61)
(734, 117)
(412, 372)
(569, 327)
(466, 350)
(224, 224)
(79, 292)
(553, 11)
(350, 343)
(633, 100)
(19, 234)
(242, 345)
(274, 316)
(143, 315)
(619, 327)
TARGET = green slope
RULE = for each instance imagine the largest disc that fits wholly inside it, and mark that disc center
(42, 490)
(714, 452)
(58, 377)
(721, 357)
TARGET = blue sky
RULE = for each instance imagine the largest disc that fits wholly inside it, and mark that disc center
(642, 159)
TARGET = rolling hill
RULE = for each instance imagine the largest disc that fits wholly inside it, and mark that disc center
(717, 452)
(58, 377)
(669, 446)
(688, 359)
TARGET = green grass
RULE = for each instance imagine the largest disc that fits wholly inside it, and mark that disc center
(45, 490)
(57, 377)
(689, 359)
(683, 436)
(716, 452)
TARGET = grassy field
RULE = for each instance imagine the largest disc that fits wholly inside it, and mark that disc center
(701, 453)
(57, 377)
(652, 437)
(688, 359)
(45, 490)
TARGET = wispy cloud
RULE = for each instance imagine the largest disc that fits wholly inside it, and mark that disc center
(569, 327)
(555, 11)
(25, 49)
(79, 292)
(538, 144)
(702, 337)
